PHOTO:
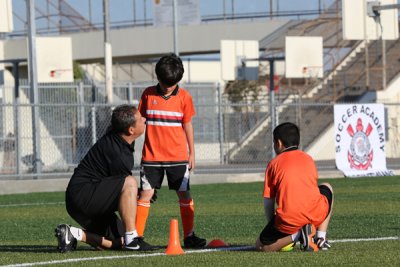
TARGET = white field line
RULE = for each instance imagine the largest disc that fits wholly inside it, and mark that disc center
(123, 257)
(364, 239)
(186, 252)
(31, 204)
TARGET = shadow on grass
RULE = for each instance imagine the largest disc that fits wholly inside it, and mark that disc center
(53, 249)
(235, 247)
(34, 249)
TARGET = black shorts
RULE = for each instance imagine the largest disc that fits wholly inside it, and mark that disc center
(270, 234)
(152, 177)
(93, 205)
(324, 190)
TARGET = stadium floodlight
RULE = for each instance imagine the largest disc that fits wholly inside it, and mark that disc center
(360, 20)
(371, 10)
(374, 8)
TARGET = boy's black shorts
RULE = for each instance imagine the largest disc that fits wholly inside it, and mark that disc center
(270, 234)
(93, 205)
(324, 190)
(151, 177)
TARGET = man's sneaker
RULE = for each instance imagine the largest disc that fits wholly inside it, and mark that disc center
(66, 241)
(138, 244)
(322, 243)
(306, 238)
(194, 241)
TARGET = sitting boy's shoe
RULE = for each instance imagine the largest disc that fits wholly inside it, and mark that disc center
(138, 244)
(322, 243)
(194, 241)
(288, 248)
(306, 238)
(66, 241)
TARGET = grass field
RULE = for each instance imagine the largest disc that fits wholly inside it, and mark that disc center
(365, 208)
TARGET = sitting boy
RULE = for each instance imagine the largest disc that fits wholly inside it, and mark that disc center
(291, 181)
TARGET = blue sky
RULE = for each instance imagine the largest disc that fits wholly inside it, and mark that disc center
(123, 10)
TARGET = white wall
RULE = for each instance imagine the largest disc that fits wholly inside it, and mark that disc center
(195, 72)
(155, 41)
(324, 147)
(392, 95)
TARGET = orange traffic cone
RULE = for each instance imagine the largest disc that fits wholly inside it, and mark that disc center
(174, 245)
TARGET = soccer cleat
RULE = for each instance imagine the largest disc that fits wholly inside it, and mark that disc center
(66, 241)
(288, 248)
(138, 244)
(194, 241)
(306, 238)
(322, 243)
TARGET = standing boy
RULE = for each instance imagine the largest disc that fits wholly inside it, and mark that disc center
(291, 182)
(103, 184)
(168, 146)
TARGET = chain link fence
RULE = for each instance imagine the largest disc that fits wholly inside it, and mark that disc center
(228, 136)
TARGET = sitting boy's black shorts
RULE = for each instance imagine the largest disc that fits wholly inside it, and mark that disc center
(270, 234)
(324, 190)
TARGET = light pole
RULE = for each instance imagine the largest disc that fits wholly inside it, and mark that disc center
(107, 53)
(374, 10)
(34, 95)
(175, 17)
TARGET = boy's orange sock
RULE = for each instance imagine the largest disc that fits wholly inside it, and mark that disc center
(187, 215)
(142, 212)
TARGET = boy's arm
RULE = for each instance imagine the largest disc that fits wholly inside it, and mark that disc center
(188, 127)
(269, 204)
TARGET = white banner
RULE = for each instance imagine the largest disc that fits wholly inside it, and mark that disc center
(360, 140)
(187, 12)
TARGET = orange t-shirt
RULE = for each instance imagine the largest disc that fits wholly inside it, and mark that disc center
(291, 178)
(165, 138)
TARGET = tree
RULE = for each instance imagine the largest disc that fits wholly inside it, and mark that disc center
(79, 73)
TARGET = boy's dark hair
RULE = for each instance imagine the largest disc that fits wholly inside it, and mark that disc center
(169, 69)
(122, 118)
(288, 133)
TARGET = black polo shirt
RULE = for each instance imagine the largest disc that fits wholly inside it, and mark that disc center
(110, 158)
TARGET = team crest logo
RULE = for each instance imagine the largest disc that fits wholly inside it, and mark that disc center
(360, 154)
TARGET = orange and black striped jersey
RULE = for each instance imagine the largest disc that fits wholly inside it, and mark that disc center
(165, 139)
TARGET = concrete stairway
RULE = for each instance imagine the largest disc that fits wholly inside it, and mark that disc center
(314, 111)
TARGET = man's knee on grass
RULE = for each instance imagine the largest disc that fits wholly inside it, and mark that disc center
(100, 242)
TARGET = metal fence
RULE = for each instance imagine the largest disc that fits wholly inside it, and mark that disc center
(227, 135)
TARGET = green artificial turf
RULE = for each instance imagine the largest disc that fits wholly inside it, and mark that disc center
(364, 208)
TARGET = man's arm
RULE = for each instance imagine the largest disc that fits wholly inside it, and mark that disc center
(269, 208)
(188, 127)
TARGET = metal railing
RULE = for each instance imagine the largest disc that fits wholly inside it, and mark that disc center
(227, 135)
